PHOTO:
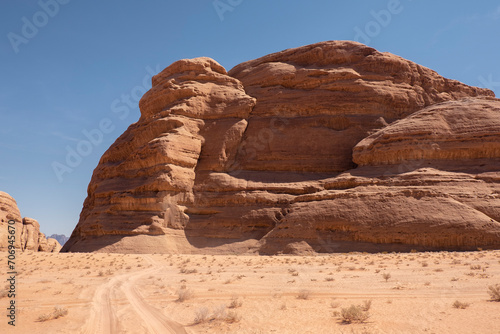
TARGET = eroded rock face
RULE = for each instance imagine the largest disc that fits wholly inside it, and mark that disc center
(452, 131)
(27, 230)
(330, 96)
(328, 147)
(9, 211)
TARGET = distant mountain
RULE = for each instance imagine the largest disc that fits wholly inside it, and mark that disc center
(59, 237)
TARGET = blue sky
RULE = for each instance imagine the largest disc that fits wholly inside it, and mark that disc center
(73, 67)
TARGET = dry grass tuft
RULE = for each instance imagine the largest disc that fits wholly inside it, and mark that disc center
(354, 314)
(183, 295)
(201, 316)
(56, 314)
(494, 291)
(304, 294)
(460, 305)
(235, 302)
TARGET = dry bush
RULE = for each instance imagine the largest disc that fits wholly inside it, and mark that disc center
(235, 302)
(44, 317)
(59, 312)
(232, 317)
(386, 276)
(201, 316)
(304, 294)
(334, 304)
(183, 295)
(494, 291)
(188, 271)
(367, 305)
(460, 305)
(219, 312)
(354, 313)
(56, 314)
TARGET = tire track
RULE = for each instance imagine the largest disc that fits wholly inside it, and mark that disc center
(155, 321)
(103, 318)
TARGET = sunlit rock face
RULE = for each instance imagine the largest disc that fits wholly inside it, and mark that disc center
(24, 232)
(323, 148)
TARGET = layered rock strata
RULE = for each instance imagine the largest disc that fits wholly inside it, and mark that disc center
(328, 147)
(27, 230)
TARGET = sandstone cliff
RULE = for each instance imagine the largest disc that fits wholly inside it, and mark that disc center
(328, 147)
(27, 230)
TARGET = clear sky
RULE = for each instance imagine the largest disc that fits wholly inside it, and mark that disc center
(75, 68)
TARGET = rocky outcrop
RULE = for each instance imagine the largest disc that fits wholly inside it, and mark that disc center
(30, 235)
(452, 131)
(48, 244)
(61, 238)
(9, 211)
(329, 147)
(330, 96)
(27, 230)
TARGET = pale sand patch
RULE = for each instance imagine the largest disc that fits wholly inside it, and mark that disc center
(116, 293)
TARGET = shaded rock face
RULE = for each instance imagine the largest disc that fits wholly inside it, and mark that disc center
(328, 147)
(27, 230)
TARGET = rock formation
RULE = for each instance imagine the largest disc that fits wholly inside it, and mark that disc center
(61, 238)
(27, 230)
(328, 147)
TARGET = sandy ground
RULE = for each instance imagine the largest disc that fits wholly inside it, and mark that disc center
(115, 293)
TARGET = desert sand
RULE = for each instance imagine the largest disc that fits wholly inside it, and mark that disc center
(158, 293)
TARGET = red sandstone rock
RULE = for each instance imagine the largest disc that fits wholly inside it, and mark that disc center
(265, 159)
(451, 131)
(27, 230)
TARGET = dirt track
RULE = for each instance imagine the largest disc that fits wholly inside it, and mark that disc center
(103, 315)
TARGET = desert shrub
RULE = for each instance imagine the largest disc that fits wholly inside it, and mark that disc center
(367, 305)
(386, 276)
(460, 305)
(220, 312)
(232, 317)
(334, 304)
(183, 295)
(201, 315)
(59, 312)
(494, 291)
(56, 314)
(188, 271)
(354, 313)
(304, 294)
(235, 302)
(44, 317)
